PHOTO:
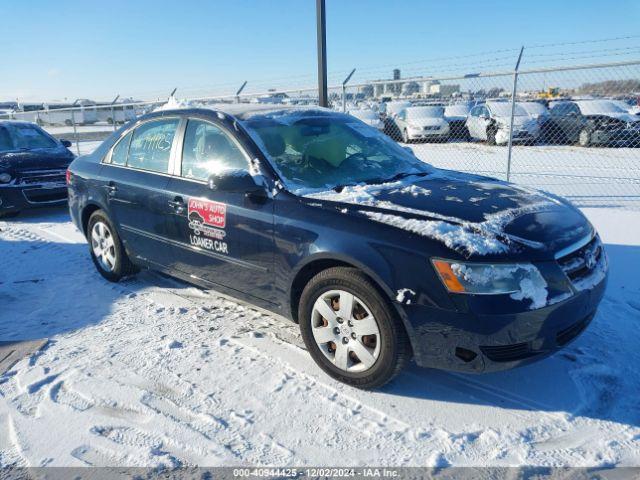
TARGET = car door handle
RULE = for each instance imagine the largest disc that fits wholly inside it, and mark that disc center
(177, 204)
(111, 189)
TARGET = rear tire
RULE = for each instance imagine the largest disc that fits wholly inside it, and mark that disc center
(381, 332)
(107, 252)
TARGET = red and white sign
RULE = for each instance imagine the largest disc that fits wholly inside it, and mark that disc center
(213, 214)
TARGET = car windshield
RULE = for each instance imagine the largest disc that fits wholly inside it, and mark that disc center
(533, 108)
(422, 112)
(503, 109)
(456, 110)
(599, 107)
(324, 150)
(364, 114)
(23, 137)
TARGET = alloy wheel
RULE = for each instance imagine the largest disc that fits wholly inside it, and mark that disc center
(346, 331)
(103, 246)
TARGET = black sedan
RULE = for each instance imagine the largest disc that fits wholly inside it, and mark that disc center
(318, 217)
(33, 165)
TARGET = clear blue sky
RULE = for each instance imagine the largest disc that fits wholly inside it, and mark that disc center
(143, 48)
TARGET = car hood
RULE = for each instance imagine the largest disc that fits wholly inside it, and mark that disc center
(625, 117)
(518, 121)
(41, 158)
(427, 121)
(471, 214)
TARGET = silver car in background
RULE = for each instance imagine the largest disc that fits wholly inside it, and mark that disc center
(422, 123)
(491, 121)
(369, 117)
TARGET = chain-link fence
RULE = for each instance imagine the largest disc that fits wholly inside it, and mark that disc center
(574, 131)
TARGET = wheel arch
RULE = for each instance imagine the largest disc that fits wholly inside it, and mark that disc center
(87, 211)
(322, 261)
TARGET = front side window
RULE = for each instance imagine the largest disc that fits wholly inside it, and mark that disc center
(317, 149)
(208, 150)
(150, 147)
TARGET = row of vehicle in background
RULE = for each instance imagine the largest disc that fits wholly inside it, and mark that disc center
(593, 122)
(80, 112)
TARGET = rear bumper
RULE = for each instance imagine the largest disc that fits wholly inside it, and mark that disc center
(14, 198)
(484, 343)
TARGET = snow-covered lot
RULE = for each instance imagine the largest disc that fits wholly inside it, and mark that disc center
(154, 372)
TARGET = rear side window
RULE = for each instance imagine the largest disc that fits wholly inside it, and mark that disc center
(120, 151)
(151, 145)
(208, 150)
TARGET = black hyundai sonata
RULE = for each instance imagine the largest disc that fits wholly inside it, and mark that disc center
(32, 168)
(318, 217)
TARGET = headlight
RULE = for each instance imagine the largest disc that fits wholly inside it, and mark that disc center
(521, 280)
(415, 127)
(5, 178)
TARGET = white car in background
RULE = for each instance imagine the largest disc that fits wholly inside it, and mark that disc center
(391, 110)
(491, 122)
(369, 117)
(422, 123)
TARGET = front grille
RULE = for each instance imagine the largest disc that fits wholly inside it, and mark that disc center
(580, 263)
(45, 195)
(508, 353)
(40, 177)
(565, 336)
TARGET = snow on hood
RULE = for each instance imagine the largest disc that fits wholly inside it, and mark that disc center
(469, 214)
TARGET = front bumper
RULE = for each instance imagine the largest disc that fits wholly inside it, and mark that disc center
(14, 198)
(427, 134)
(468, 342)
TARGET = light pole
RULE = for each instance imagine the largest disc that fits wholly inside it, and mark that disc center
(321, 27)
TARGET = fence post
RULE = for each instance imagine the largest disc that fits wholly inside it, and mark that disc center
(513, 108)
(344, 90)
(75, 132)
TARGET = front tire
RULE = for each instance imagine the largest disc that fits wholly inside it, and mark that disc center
(491, 136)
(351, 332)
(584, 137)
(107, 252)
(405, 136)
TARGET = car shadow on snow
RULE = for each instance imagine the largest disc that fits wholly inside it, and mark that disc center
(595, 376)
(48, 288)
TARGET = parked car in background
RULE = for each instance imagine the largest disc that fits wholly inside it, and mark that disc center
(33, 165)
(392, 109)
(456, 115)
(82, 112)
(324, 220)
(539, 112)
(118, 114)
(491, 122)
(422, 123)
(369, 117)
(593, 122)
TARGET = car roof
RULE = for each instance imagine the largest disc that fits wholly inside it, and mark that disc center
(17, 122)
(241, 111)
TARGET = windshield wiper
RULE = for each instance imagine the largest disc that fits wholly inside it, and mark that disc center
(396, 177)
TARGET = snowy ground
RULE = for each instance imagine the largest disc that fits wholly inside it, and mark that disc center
(154, 372)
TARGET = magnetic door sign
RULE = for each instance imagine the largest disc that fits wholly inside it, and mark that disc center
(212, 214)
(207, 219)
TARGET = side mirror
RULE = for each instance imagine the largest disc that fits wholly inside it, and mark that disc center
(65, 143)
(234, 181)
